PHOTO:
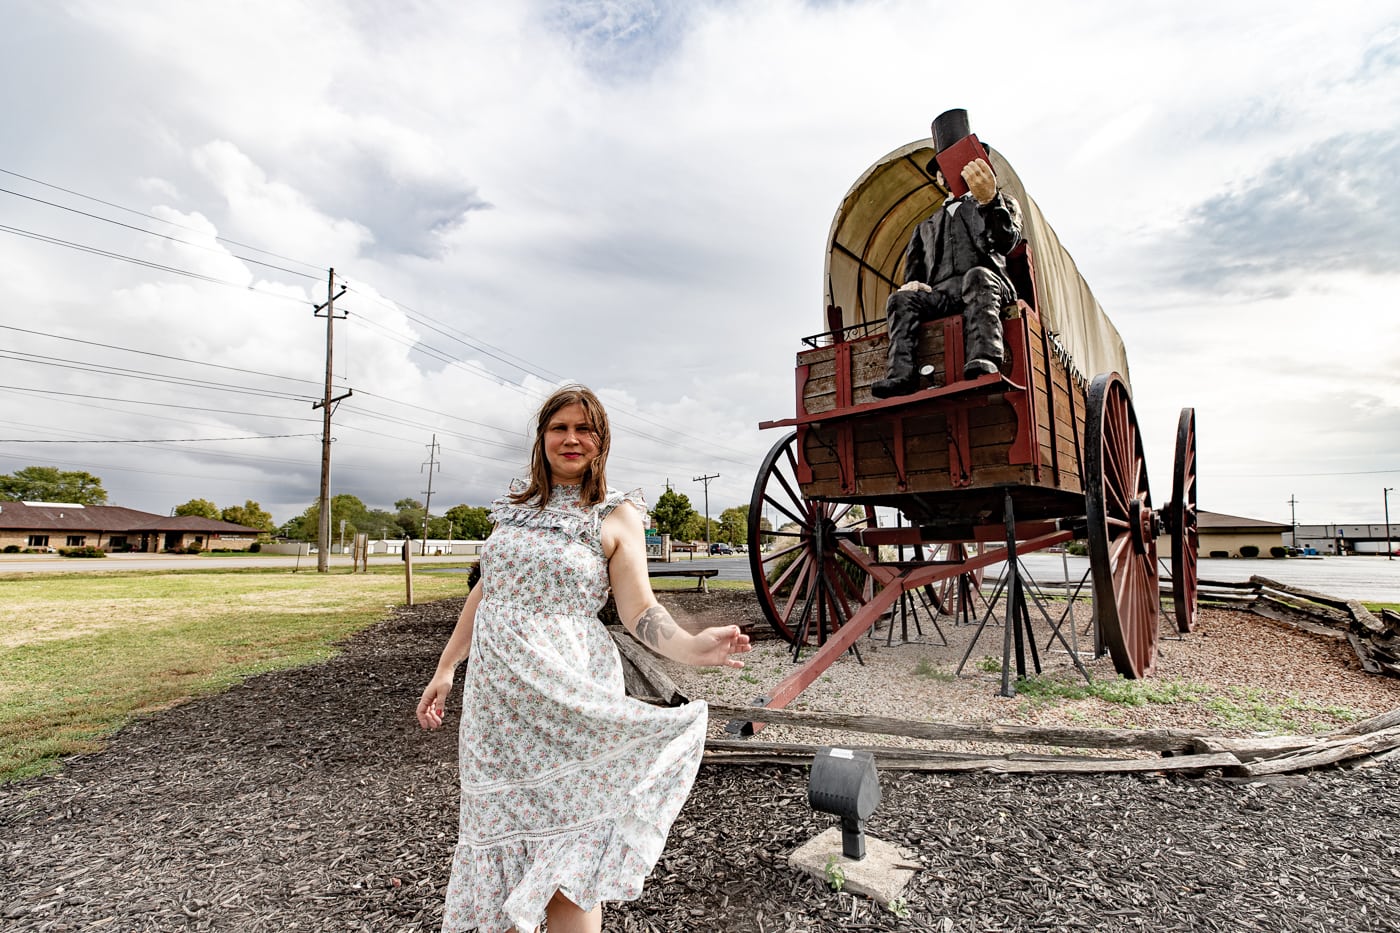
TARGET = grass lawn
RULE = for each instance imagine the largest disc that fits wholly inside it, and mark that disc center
(81, 654)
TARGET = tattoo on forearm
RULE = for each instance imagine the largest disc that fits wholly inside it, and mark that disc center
(654, 626)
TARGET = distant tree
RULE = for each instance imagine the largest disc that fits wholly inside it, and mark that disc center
(306, 526)
(470, 522)
(674, 516)
(734, 524)
(250, 514)
(201, 508)
(409, 517)
(381, 523)
(50, 484)
(694, 529)
(765, 525)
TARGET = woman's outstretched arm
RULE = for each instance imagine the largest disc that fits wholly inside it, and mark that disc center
(624, 545)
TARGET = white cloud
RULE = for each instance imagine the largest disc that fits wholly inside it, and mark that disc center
(637, 195)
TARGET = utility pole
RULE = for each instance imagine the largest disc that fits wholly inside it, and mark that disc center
(1389, 552)
(1293, 510)
(323, 531)
(431, 464)
(706, 481)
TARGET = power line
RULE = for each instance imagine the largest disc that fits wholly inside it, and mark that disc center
(163, 356)
(87, 197)
(102, 369)
(541, 373)
(133, 401)
(414, 316)
(146, 263)
(164, 236)
(158, 440)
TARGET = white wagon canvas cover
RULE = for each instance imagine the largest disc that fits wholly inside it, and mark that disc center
(865, 256)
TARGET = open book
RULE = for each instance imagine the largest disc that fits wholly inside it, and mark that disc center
(954, 159)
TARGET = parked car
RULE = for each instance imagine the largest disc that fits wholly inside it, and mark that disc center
(720, 547)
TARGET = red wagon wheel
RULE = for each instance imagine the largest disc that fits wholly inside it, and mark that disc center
(1122, 528)
(1180, 519)
(808, 579)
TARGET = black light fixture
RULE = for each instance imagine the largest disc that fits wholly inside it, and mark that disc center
(844, 783)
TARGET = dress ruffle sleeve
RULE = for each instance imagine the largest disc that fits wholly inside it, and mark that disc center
(529, 515)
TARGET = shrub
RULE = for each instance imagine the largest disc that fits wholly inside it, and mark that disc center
(1278, 550)
(1249, 550)
(12, 549)
(1078, 548)
(193, 548)
(255, 547)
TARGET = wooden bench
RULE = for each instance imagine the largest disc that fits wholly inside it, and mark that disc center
(701, 583)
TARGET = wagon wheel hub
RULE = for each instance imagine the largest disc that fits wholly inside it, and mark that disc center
(1143, 525)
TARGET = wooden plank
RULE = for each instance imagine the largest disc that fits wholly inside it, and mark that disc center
(1065, 736)
(631, 649)
(1229, 584)
(994, 765)
(1368, 663)
(1374, 724)
(1252, 748)
(1363, 617)
(800, 750)
(1270, 608)
(1299, 591)
(1326, 753)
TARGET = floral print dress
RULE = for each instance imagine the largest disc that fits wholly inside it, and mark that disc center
(568, 784)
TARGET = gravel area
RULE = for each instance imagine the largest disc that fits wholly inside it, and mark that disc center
(309, 800)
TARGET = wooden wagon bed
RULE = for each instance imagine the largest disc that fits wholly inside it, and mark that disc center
(945, 454)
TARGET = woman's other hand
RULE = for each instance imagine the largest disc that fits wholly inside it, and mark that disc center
(714, 647)
(433, 703)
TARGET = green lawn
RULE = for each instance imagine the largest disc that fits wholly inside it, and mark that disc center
(81, 654)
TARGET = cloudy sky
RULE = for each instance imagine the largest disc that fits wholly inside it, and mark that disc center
(636, 194)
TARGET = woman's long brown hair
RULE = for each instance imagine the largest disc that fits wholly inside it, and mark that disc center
(594, 488)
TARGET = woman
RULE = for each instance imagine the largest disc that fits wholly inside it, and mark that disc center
(569, 787)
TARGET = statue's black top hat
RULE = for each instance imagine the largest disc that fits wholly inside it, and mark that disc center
(949, 127)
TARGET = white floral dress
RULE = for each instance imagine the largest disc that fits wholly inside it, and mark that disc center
(567, 783)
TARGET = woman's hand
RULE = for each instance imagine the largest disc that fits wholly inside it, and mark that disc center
(434, 700)
(713, 647)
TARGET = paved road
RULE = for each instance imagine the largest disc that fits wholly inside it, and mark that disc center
(1370, 578)
(34, 563)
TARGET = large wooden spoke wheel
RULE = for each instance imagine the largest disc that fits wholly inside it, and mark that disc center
(1180, 521)
(808, 577)
(1122, 528)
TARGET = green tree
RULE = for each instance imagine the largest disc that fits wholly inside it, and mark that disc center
(694, 529)
(50, 484)
(250, 514)
(674, 516)
(381, 523)
(734, 524)
(305, 527)
(202, 508)
(470, 522)
(409, 517)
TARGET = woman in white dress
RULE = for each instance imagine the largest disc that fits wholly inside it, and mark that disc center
(569, 787)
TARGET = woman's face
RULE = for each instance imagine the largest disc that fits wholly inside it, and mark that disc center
(570, 445)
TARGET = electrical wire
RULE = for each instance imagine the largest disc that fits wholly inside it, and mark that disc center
(157, 440)
(414, 316)
(163, 356)
(164, 236)
(129, 210)
(160, 267)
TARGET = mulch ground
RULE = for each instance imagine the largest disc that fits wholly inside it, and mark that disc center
(310, 800)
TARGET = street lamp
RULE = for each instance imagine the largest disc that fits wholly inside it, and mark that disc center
(1385, 494)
